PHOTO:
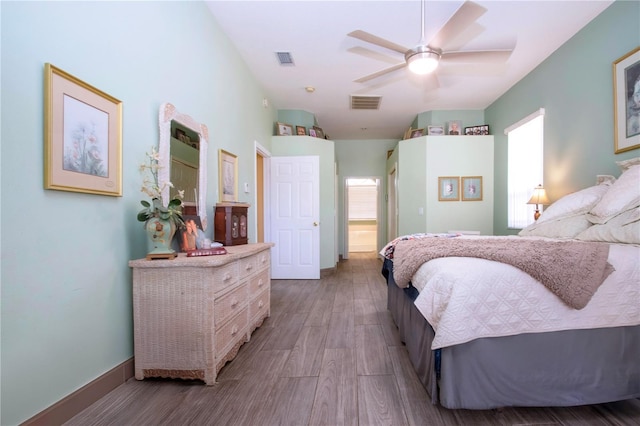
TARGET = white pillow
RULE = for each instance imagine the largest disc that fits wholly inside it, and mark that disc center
(626, 164)
(564, 227)
(624, 228)
(623, 195)
(575, 203)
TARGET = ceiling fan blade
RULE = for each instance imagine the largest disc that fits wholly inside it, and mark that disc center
(370, 38)
(380, 73)
(469, 56)
(464, 17)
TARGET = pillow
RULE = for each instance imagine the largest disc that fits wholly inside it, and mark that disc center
(626, 164)
(575, 203)
(623, 195)
(563, 227)
(624, 228)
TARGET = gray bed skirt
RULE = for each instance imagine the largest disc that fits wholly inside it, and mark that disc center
(564, 368)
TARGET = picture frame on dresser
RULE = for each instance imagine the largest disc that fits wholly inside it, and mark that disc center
(471, 188)
(626, 101)
(83, 136)
(227, 175)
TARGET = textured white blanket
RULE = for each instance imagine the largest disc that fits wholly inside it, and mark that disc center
(468, 298)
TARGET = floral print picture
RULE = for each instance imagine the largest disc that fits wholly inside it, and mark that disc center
(86, 138)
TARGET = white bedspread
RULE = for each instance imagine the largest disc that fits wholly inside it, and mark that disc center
(468, 298)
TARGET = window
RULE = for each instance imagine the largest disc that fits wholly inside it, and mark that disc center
(524, 167)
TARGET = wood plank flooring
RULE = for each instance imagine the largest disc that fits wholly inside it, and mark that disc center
(328, 355)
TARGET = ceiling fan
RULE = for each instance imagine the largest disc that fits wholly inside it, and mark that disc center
(425, 57)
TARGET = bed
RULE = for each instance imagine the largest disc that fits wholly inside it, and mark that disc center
(482, 333)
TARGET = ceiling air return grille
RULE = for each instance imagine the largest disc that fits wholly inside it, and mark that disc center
(285, 58)
(365, 102)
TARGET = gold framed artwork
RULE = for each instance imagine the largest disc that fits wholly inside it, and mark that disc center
(471, 188)
(626, 102)
(416, 133)
(82, 136)
(285, 129)
(449, 188)
(227, 176)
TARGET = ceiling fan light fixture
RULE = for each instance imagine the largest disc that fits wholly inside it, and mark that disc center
(424, 61)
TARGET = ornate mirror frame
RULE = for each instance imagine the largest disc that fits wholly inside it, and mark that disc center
(168, 113)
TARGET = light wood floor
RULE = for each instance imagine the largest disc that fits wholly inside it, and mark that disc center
(328, 355)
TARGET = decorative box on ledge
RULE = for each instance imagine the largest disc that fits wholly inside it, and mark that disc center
(230, 222)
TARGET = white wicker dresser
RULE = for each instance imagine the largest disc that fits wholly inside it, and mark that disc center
(192, 314)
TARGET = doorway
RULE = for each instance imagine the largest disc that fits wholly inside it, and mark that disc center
(362, 214)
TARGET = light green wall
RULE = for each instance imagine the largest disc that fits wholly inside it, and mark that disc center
(574, 85)
(66, 284)
(297, 117)
(288, 146)
(362, 158)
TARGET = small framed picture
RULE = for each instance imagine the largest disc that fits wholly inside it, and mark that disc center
(301, 130)
(416, 133)
(468, 131)
(435, 130)
(189, 232)
(312, 132)
(454, 128)
(319, 132)
(449, 188)
(484, 129)
(285, 129)
(471, 188)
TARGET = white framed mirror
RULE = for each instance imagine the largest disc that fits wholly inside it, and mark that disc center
(183, 158)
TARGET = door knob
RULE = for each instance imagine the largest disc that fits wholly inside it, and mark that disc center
(315, 223)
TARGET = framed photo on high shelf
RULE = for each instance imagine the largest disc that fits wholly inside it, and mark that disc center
(626, 102)
(471, 188)
(319, 132)
(454, 128)
(435, 130)
(82, 136)
(449, 188)
(227, 176)
(416, 133)
(285, 129)
(301, 130)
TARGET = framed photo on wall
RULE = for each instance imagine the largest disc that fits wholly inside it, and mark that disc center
(471, 188)
(227, 176)
(626, 102)
(83, 136)
(449, 188)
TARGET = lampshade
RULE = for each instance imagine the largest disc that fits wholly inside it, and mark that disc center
(423, 61)
(539, 196)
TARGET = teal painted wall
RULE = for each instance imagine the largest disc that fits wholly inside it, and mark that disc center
(574, 85)
(362, 158)
(66, 284)
(289, 146)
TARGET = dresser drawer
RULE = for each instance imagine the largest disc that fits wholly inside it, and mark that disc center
(230, 304)
(231, 332)
(224, 277)
(263, 260)
(247, 266)
(259, 304)
(259, 282)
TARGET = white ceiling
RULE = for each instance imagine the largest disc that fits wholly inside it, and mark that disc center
(315, 33)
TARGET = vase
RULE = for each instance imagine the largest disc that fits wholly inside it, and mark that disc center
(160, 234)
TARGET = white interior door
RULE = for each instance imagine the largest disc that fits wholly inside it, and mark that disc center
(295, 217)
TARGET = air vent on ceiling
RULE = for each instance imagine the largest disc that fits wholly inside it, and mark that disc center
(284, 58)
(365, 102)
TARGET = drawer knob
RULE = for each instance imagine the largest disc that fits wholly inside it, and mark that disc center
(227, 277)
(260, 304)
(234, 303)
(260, 282)
(249, 267)
(234, 330)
